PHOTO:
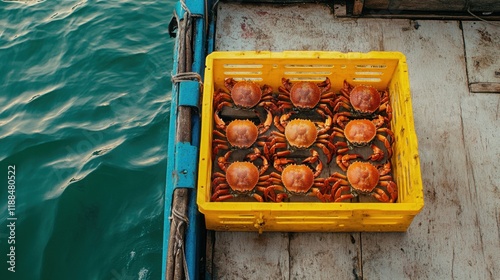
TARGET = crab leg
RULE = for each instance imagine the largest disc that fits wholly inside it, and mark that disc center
(322, 109)
(222, 161)
(324, 126)
(346, 89)
(337, 189)
(379, 121)
(286, 85)
(380, 195)
(257, 154)
(219, 123)
(336, 132)
(388, 131)
(386, 107)
(377, 155)
(340, 197)
(385, 169)
(221, 186)
(328, 151)
(219, 179)
(327, 96)
(343, 150)
(279, 145)
(343, 160)
(312, 159)
(221, 95)
(387, 144)
(269, 193)
(218, 147)
(325, 85)
(325, 139)
(392, 189)
(279, 162)
(341, 119)
(342, 103)
(263, 127)
(277, 123)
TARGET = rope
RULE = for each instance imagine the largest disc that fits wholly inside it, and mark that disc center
(179, 216)
(182, 220)
(185, 7)
(187, 76)
(467, 4)
(482, 19)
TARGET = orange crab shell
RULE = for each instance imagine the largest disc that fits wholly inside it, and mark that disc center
(360, 131)
(305, 95)
(241, 133)
(297, 178)
(246, 94)
(365, 99)
(363, 176)
(301, 133)
(242, 176)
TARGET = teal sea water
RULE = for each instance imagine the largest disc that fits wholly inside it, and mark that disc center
(84, 107)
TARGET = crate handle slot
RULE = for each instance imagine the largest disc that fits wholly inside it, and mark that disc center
(244, 66)
(372, 80)
(371, 66)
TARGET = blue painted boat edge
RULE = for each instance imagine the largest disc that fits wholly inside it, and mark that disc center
(195, 232)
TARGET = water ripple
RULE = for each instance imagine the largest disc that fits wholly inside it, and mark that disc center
(84, 114)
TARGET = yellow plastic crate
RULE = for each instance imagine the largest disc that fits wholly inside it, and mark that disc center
(379, 69)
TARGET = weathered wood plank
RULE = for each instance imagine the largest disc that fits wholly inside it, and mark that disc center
(267, 27)
(248, 255)
(377, 4)
(485, 87)
(434, 5)
(444, 239)
(429, 5)
(481, 116)
(325, 256)
(482, 49)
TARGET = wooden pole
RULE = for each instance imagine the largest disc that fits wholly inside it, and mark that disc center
(175, 257)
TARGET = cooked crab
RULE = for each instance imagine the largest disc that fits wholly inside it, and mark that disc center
(363, 178)
(242, 94)
(361, 132)
(295, 180)
(306, 95)
(363, 100)
(240, 134)
(301, 134)
(240, 178)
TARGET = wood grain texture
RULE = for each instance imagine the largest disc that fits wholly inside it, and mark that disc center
(457, 233)
(485, 87)
(482, 48)
(248, 255)
(481, 116)
(325, 256)
(433, 5)
(429, 5)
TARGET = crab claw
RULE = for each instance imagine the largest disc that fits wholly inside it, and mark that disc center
(343, 160)
(279, 162)
(377, 155)
(313, 159)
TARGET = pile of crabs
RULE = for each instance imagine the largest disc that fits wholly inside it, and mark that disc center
(280, 146)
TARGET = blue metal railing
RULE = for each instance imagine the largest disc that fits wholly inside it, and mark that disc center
(182, 165)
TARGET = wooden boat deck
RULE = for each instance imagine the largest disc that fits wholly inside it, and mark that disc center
(457, 234)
